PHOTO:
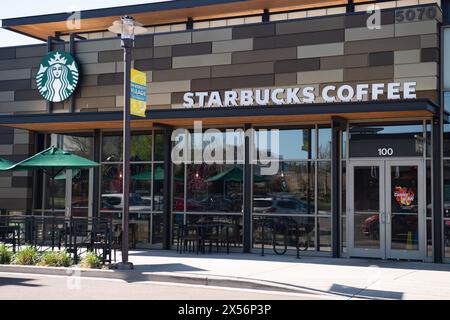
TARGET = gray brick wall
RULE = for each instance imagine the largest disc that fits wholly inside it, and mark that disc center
(316, 51)
(15, 187)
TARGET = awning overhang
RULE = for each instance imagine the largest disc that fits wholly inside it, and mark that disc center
(158, 13)
(226, 116)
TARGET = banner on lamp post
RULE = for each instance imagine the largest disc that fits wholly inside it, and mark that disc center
(138, 104)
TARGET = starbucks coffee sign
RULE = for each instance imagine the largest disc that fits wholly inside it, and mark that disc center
(300, 95)
(57, 76)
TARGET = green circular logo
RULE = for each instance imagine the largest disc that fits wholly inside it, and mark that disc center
(57, 76)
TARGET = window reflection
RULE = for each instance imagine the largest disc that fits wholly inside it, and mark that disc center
(446, 188)
(214, 188)
(140, 148)
(146, 186)
(77, 144)
(290, 191)
(294, 144)
(446, 150)
(178, 188)
(324, 187)
(324, 143)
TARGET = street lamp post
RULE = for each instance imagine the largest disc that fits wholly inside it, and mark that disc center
(127, 28)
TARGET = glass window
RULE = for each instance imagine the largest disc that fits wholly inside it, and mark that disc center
(386, 141)
(324, 144)
(446, 188)
(80, 145)
(293, 144)
(140, 148)
(178, 188)
(234, 224)
(446, 139)
(55, 192)
(344, 144)
(80, 193)
(227, 146)
(77, 144)
(140, 187)
(446, 57)
(285, 230)
(112, 148)
(290, 191)
(159, 147)
(158, 187)
(324, 240)
(428, 187)
(214, 188)
(447, 94)
(447, 238)
(324, 187)
(111, 187)
(344, 189)
(428, 135)
(429, 238)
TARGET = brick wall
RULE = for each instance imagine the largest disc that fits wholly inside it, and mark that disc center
(15, 187)
(314, 51)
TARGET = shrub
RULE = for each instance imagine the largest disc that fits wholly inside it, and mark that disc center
(26, 256)
(5, 254)
(55, 259)
(91, 260)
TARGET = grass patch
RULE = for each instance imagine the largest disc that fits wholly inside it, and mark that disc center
(55, 259)
(6, 254)
(91, 261)
(28, 256)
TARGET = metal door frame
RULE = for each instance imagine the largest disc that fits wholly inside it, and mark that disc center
(385, 251)
(419, 254)
(365, 252)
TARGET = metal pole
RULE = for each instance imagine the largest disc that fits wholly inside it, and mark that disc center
(127, 44)
(247, 193)
(336, 187)
(53, 191)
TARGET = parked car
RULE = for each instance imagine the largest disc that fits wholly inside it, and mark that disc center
(114, 201)
(285, 206)
(191, 206)
(281, 205)
(401, 226)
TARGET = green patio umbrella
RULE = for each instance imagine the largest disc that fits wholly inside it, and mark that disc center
(53, 161)
(147, 175)
(63, 175)
(5, 164)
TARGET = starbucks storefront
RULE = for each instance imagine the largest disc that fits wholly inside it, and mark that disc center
(296, 131)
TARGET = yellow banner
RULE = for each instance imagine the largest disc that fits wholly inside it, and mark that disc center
(138, 104)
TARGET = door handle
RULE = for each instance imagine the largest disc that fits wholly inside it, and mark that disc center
(382, 217)
(388, 218)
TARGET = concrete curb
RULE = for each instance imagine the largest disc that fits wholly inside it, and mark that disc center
(138, 276)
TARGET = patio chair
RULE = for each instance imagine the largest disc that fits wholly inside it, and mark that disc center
(190, 239)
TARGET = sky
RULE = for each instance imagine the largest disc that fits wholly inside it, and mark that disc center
(25, 8)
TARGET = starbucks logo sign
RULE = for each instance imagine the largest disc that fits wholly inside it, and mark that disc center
(57, 76)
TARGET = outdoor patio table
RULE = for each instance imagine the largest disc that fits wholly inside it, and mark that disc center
(201, 235)
(13, 231)
(205, 235)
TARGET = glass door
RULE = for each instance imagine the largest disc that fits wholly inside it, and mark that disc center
(366, 180)
(386, 213)
(405, 214)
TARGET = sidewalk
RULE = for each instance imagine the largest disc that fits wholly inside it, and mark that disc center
(333, 278)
